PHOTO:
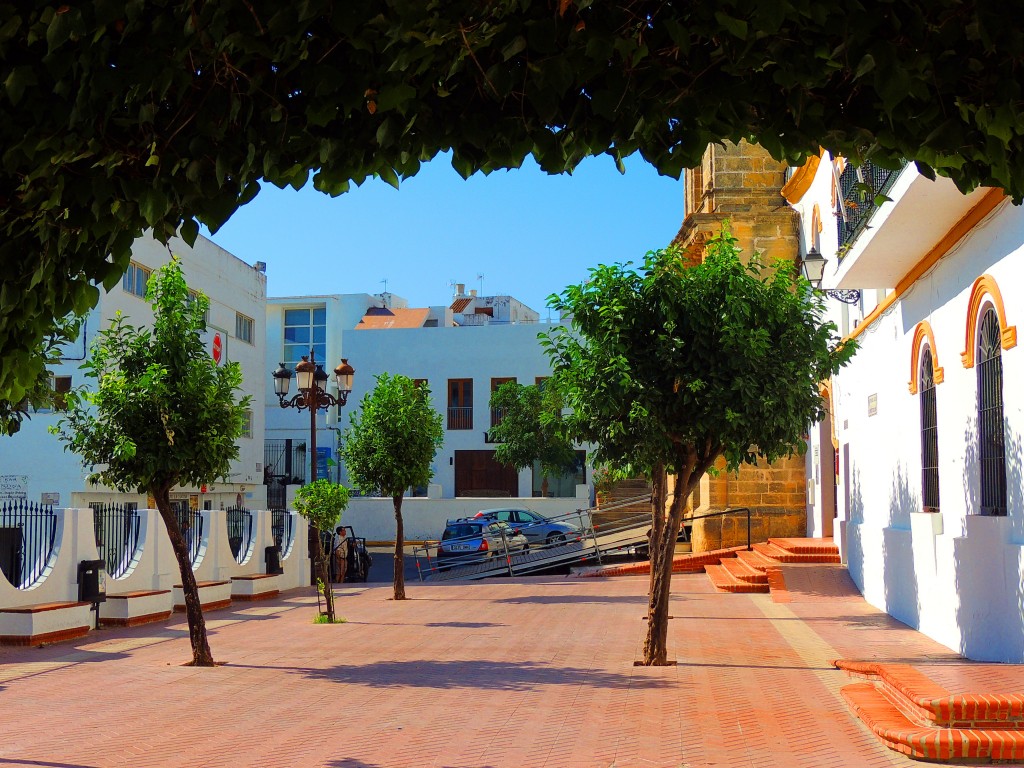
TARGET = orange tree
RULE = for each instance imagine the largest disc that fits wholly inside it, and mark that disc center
(668, 367)
(162, 414)
(123, 117)
(389, 446)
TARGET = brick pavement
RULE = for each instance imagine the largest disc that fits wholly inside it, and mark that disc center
(511, 672)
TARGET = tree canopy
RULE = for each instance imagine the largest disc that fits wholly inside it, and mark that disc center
(126, 116)
(667, 367)
(530, 429)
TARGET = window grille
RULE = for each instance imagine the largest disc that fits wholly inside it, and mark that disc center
(991, 436)
(929, 436)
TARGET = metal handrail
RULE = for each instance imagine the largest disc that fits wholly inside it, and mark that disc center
(726, 512)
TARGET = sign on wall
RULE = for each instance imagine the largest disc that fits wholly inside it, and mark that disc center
(13, 487)
(323, 456)
(216, 342)
(49, 499)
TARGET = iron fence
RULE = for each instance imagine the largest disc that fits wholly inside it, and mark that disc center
(239, 522)
(117, 536)
(27, 535)
(191, 523)
(281, 527)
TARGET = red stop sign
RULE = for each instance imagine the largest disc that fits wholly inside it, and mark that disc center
(218, 348)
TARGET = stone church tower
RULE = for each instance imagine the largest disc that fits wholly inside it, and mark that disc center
(741, 184)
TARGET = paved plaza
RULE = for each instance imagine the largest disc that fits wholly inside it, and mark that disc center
(509, 672)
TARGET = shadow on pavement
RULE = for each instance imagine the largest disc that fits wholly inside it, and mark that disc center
(471, 674)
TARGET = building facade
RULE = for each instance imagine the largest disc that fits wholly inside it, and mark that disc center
(35, 467)
(918, 475)
(462, 351)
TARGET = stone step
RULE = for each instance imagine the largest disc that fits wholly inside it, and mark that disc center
(899, 733)
(755, 559)
(742, 571)
(777, 553)
(927, 703)
(723, 580)
(806, 546)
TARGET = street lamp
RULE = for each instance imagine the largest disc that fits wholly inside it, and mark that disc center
(312, 384)
(812, 266)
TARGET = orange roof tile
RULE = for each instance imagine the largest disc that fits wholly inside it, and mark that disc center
(378, 317)
(459, 305)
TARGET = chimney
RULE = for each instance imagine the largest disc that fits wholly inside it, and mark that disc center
(460, 289)
(472, 292)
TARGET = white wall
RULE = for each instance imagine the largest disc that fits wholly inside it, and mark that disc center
(373, 517)
(957, 576)
(232, 286)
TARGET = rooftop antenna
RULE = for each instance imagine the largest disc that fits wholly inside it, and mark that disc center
(385, 281)
(452, 284)
(480, 278)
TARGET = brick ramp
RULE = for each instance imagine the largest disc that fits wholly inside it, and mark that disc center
(912, 714)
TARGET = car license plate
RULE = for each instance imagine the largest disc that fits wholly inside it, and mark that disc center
(459, 547)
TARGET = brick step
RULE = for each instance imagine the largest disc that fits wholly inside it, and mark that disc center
(742, 571)
(927, 703)
(781, 555)
(755, 559)
(806, 546)
(897, 732)
(723, 580)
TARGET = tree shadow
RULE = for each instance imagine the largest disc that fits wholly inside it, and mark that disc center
(469, 674)
(465, 624)
(987, 560)
(902, 598)
(581, 599)
(854, 540)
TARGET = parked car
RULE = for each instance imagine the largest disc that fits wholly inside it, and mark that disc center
(538, 530)
(473, 539)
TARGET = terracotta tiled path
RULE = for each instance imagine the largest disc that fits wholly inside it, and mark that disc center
(525, 672)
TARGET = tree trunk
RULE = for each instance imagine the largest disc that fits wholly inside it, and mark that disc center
(201, 655)
(399, 549)
(656, 642)
(323, 569)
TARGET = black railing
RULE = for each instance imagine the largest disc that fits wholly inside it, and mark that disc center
(858, 188)
(497, 414)
(191, 523)
(281, 527)
(284, 462)
(117, 536)
(460, 418)
(239, 521)
(27, 535)
(729, 511)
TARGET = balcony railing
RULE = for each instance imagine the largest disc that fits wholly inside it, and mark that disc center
(460, 418)
(497, 414)
(858, 188)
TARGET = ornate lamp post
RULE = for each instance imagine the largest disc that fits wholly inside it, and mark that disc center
(813, 268)
(313, 395)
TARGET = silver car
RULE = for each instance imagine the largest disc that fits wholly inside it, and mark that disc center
(538, 530)
(472, 540)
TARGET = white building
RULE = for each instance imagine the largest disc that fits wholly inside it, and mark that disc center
(927, 490)
(33, 463)
(462, 351)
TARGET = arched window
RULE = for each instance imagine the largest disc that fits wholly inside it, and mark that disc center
(991, 435)
(929, 435)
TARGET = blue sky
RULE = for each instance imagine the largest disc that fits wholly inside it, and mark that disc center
(528, 233)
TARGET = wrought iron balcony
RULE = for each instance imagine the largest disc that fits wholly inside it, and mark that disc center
(858, 189)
